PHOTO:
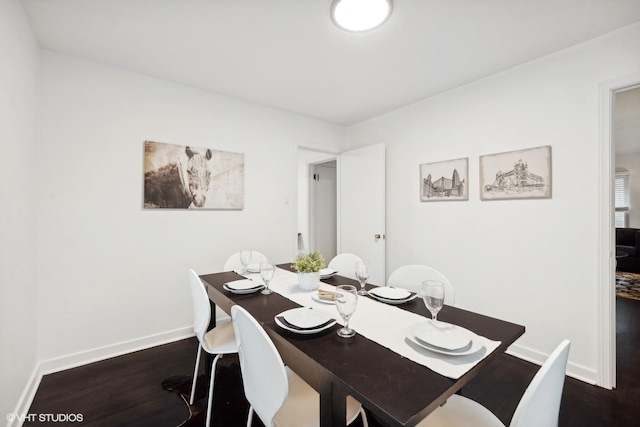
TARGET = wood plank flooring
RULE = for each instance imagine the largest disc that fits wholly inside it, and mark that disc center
(126, 391)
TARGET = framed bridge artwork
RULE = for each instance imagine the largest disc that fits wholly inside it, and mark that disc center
(447, 180)
(188, 177)
(522, 174)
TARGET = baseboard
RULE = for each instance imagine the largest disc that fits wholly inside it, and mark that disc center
(574, 370)
(101, 353)
(24, 403)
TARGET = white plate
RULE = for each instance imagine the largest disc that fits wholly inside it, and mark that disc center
(325, 273)
(390, 293)
(253, 268)
(294, 313)
(243, 286)
(392, 301)
(476, 344)
(316, 298)
(444, 336)
(305, 317)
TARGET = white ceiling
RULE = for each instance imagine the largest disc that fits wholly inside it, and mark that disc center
(287, 53)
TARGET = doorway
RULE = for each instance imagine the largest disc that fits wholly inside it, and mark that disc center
(323, 208)
(606, 376)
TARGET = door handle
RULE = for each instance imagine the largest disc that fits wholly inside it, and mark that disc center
(378, 237)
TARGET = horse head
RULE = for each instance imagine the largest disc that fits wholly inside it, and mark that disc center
(198, 176)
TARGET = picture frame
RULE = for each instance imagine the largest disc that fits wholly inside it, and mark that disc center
(520, 174)
(445, 180)
(187, 177)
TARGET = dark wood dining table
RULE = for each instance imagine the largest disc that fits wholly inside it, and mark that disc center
(398, 391)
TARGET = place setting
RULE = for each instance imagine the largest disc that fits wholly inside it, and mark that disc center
(243, 286)
(391, 295)
(440, 337)
(327, 273)
(304, 320)
(248, 286)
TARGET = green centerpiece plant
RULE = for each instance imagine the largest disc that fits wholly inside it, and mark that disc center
(308, 266)
(309, 263)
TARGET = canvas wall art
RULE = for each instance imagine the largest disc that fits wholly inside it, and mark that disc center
(187, 177)
(447, 180)
(522, 174)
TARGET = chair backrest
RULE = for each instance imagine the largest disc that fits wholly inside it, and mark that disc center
(233, 262)
(540, 403)
(345, 264)
(201, 306)
(263, 374)
(410, 277)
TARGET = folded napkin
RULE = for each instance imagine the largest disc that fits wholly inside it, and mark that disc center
(327, 295)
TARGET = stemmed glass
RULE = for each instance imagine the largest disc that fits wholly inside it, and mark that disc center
(267, 268)
(346, 300)
(363, 269)
(433, 297)
(245, 258)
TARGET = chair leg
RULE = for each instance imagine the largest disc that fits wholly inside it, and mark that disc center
(363, 416)
(250, 417)
(195, 375)
(210, 401)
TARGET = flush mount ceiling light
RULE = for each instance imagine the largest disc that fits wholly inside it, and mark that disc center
(360, 15)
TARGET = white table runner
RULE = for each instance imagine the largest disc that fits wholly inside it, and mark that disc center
(385, 324)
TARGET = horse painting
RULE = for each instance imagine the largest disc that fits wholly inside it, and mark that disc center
(179, 177)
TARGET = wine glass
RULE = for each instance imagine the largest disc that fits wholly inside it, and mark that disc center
(346, 300)
(363, 269)
(433, 297)
(245, 258)
(267, 268)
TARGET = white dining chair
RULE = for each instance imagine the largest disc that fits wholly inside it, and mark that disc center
(345, 264)
(538, 407)
(233, 262)
(410, 277)
(275, 393)
(218, 341)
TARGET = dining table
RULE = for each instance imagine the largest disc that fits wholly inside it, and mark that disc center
(390, 380)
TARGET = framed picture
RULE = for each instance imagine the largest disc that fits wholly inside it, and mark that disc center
(447, 180)
(187, 177)
(522, 174)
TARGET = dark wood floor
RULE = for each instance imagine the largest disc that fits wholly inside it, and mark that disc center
(126, 391)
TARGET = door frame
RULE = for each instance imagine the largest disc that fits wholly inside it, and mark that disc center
(606, 375)
(330, 153)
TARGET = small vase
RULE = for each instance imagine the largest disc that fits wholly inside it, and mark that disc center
(308, 281)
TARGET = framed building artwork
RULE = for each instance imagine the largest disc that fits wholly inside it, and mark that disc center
(446, 180)
(186, 177)
(522, 174)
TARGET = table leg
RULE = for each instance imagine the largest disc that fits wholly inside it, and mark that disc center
(333, 406)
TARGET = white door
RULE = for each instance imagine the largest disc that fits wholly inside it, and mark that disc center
(361, 214)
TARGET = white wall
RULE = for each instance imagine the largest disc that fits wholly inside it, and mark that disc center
(532, 262)
(110, 271)
(19, 56)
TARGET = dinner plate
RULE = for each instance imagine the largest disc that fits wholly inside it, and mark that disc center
(446, 337)
(304, 320)
(325, 273)
(317, 298)
(243, 286)
(390, 293)
(476, 342)
(374, 294)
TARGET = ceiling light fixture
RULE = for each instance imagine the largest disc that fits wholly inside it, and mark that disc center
(360, 15)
